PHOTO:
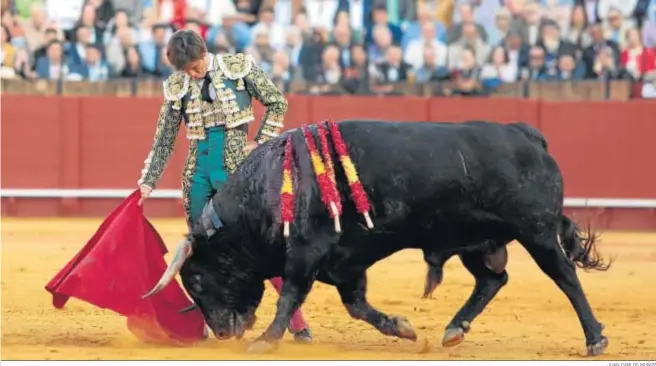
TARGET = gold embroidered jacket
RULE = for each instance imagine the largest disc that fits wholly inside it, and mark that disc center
(237, 79)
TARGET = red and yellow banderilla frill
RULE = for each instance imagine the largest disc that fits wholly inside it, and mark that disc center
(357, 191)
(330, 168)
(326, 186)
(287, 189)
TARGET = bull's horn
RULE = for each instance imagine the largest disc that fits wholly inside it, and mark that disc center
(182, 252)
(188, 308)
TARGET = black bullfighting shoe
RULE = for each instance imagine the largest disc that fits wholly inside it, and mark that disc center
(302, 336)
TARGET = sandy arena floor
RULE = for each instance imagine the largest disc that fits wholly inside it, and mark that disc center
(529, 319)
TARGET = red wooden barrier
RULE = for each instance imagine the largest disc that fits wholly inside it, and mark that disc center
(605, 149)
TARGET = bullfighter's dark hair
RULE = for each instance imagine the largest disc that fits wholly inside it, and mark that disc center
(185, 46)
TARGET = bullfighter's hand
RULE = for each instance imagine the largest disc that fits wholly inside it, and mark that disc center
(145, 193)
(250, 146)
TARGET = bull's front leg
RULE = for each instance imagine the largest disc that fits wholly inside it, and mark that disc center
(353, 294)
(296, 285)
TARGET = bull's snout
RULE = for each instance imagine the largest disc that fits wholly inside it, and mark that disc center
(222, 335)
(226, 326)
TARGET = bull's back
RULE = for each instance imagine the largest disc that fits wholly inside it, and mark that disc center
(419, 158)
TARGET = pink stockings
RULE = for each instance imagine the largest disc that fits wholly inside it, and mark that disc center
(297, 323)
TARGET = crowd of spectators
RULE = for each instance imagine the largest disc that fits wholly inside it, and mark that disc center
(355, 46)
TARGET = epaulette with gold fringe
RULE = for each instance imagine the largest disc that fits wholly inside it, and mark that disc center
(176, 86)
(235, 66)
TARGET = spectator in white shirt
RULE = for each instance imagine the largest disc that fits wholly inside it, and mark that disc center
(625, 7)
(64, 12)
(499, 69)
(213, 11)
(267, 24)
(321, 13)
(649, 86)
(415, 51)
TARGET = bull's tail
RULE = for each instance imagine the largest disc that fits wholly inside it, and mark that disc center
(581, 247)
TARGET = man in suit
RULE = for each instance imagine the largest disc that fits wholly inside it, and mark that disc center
(54, 65)
(77, 50)
(530, 23)
(598, 43)
(554, 46)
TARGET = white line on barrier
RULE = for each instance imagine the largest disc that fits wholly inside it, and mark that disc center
(176, 193)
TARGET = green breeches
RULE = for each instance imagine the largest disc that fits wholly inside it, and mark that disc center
(205, 172)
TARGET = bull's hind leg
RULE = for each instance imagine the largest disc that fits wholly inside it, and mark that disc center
(547, 253)
(489, 271)
(353, 294)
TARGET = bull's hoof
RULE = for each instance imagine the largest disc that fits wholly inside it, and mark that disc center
(260, 347)
(404, 329)
(598, 348)
(453, 337)
(303, 337)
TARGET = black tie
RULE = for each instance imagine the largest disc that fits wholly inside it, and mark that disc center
(205, 90)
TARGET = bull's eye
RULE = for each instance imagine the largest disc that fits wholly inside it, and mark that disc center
(195, 283)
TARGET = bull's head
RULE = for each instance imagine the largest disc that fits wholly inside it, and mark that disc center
(221, 280)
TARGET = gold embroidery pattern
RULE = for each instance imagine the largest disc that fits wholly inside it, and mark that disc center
(235, 142)
(194, 110)
(265, 91)
(187, 175)
(166, 133)
(240, 117)
(235, 66)
(213, 114)
(175, 88)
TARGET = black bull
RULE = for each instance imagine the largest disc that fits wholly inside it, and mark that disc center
(466, 188)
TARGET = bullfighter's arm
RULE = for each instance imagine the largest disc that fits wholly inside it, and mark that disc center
(176, 87)
(265, 91)
(166, 132)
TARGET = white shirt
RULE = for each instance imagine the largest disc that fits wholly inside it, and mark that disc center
(649, 90)
(321, 13)
(533, 33)
(283, 12)
(64, 12)
(507, 73)
(626, 7)
(513, 57)
(81, 50)
(276, 32)
(166, 11)
(356, 13)
(219, 9)
(414, 53)
(211, 72)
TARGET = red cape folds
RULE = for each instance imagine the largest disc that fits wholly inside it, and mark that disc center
(123, 260)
